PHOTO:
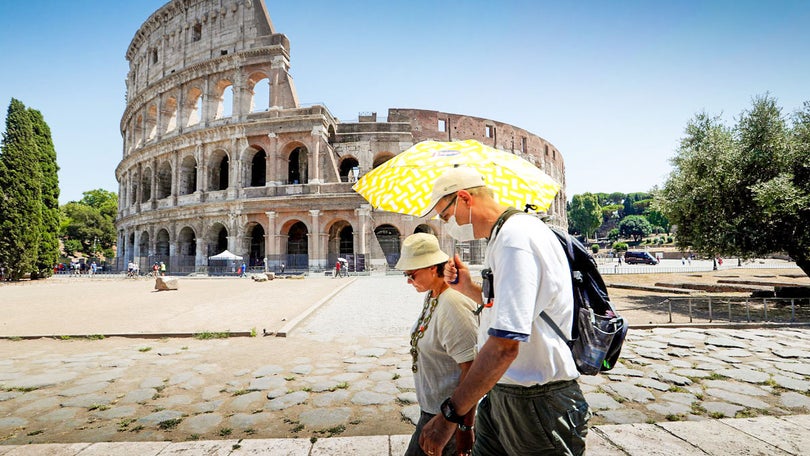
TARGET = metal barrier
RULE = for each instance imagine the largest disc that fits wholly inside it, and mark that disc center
(738, 309)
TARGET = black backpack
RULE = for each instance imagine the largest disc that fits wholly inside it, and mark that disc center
(598, 331)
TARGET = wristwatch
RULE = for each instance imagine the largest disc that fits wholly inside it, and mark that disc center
(465, 428)
(449, 412)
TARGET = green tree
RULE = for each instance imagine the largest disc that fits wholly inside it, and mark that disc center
(584, 214)
(635, 226)
(48, 254)
(744, 191)
(88, 226)
(20, 202)
(106, 202)
(657, 218)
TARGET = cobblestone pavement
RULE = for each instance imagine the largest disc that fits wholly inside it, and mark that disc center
(345, 371)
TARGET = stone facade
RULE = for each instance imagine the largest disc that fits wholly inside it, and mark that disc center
(218, 154)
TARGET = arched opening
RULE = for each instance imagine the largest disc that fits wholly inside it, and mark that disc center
(217, 239)
(130, 249)
(388, 237)
(193, 106)
(424, 228)
(186, 251)
(161, 250)
(164, 180)
(382, 158)
(224, 99)
(138, 134)
(133, 192)
(220, 166)
(151, 121)
(257, 245)
(260, 101)
(146, 185)
(188, 175)
(170, 115)
(298, 246)
(143, 245)
(258, 169)
(349, 169)
(297, 166)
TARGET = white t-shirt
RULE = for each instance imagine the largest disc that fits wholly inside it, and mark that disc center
(448, 341)
(531, 274)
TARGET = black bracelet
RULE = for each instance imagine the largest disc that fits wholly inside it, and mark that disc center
(465, 428)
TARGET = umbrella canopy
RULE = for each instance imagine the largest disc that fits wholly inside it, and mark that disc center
(225, 255)
(404, 183)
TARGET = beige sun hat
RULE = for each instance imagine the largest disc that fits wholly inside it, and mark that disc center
(453, 180)
(419, 251)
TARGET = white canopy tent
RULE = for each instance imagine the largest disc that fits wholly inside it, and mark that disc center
(225, 255)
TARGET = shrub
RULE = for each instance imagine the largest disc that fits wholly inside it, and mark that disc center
(595, 248)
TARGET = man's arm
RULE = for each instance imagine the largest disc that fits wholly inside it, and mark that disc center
(488, 367)
(457, 275)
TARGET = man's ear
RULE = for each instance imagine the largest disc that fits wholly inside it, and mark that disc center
(466, 196)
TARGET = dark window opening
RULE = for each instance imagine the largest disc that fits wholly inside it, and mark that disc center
(196, 33)
(223, 174)
(257, 169)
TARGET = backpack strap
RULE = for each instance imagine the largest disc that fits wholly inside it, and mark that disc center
(556, 328)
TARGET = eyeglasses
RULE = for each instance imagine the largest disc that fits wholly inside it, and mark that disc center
(452, 200)
(410, 275)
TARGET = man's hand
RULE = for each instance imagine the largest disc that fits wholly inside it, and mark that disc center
(435, 435)
(457, 275)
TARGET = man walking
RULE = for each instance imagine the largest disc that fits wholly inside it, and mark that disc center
(533, 403)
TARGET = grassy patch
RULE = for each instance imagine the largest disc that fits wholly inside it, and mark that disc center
(253, 332)
(96, 337)
(37, 432)
(746, 413)
(716, 376)
(212, 335)
(240, 392)
(333, 431)
(144, 349)
(289, 378)
(250, 431)
(99, 407)
(312, 440)
(674, 417)
(717, 415)
(194, 437)
(396, 377)
(297, 428)
(21, 389)
(224, 432)
(342, 385)
(698, 409)
(137, 428)
(124, 424)
(676, 389)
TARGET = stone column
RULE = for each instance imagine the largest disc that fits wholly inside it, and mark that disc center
(271, 163)
(200, 259)
(363, 215)
(315, 247)
(153, 184)
(271, 244)
(317, 134)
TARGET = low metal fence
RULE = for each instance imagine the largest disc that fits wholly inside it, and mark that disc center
(710, 309)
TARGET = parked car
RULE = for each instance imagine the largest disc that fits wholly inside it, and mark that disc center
(639, 257)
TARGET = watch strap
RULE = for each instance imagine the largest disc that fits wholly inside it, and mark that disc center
(449, 412)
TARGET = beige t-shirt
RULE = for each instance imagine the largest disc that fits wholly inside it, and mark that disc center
(449, 340)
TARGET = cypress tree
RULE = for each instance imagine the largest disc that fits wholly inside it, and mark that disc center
(20, 205)
(48, 254)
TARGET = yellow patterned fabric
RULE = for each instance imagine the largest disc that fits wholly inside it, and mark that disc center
(403, 184)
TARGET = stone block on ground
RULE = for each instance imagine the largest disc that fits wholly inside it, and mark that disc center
(165, 283)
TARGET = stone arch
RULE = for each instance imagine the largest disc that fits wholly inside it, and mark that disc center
(188, 175)
(347, 165)
(388, 237)
(138, 130)
(146, 184)
(186, 250)
(381, 158)
(164, 180)
(130, 249)
(143, 245)
(193, 106)
(259, 85)
(151, 121)
(224, 97)
(219, 170)
(297, 165)
(133, 191)
(162, 242)
(255, 244)
(169, 118)
(217, 239)
(255, 166)
(297, 244)
(340, 243)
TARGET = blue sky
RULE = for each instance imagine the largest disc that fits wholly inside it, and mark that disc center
(611, 84)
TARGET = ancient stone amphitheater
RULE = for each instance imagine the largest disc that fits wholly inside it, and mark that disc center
(219, 154)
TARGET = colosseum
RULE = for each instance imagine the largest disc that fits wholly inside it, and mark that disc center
(219, 154)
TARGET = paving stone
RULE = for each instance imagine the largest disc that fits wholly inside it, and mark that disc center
(791, 353)
(201, 424)
(347, 377)
(302, 369)
(734, 398)
(680, 343)
(724, 342)
(371, 352)
(283, 402)
(360, 367)
(799, 368)
(406, 383)
(679, 353)
(674, 378)
(12, 422)
(113, 413)
(694, 373)
(371, 398)
(652, 354)
(794, 400)
(206, 368)
(681, 398)
(411, 413)
(139, 396)
(207, 448)
(733, 353)
(182, 377)
(331, 398)
(208, 406)
(266, 383)
(84, 389)
(39, 405)
(650, 383)
(278, 392)
(86, 401)
(629, 392)
(622, 416)
(40, 381)
(375, 445)
(602, 401)
(210, 392)
(175, 399)
(670, 408)
(724, 408)
(356, 360)
(736, 387)
(791, 383)
(621, 370)
(151, 382)
(711, 367)
(271, 369)
(247, 402)
(745, 375)
(245, 421)
(6, 395)
(325, 418)
(649, 343)
(108, 376)
(385, 388)
(59, 415)
(407, 397)
(153, 419)
(679, 364)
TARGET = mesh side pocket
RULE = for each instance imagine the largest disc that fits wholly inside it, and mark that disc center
(596, 333)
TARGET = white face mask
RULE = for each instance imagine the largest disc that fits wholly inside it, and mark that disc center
(461, 233)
